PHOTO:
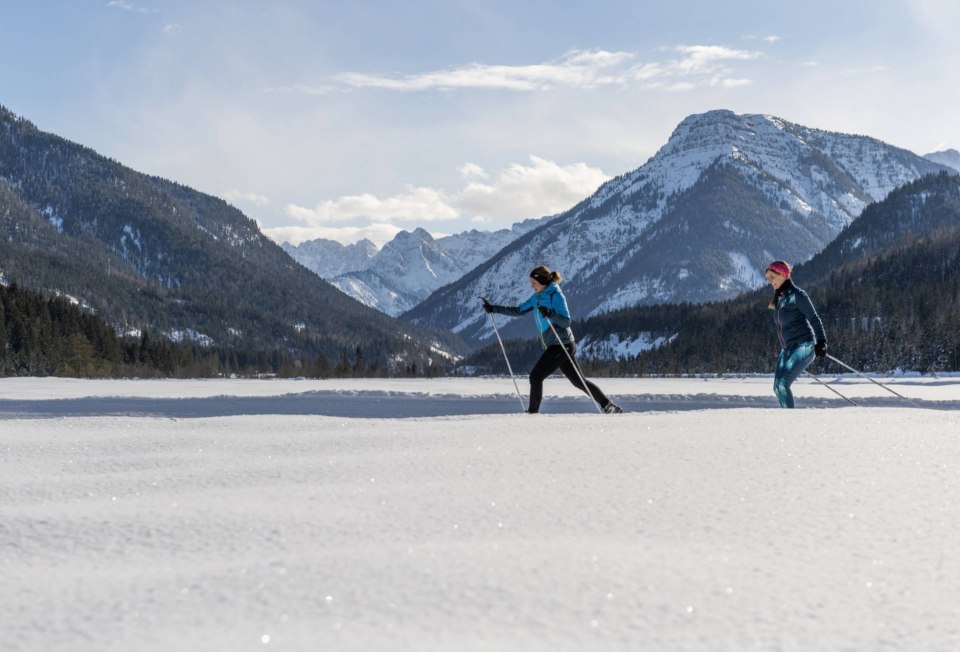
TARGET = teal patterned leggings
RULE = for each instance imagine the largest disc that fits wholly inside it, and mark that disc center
(790, 364)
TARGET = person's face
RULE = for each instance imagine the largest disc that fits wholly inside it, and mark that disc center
(536, 286)
(774, 279)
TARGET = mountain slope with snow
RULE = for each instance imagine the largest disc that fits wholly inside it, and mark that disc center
(698, 222)
(329, 258)
(923, 208)
(949, 157)
(412, 265)
(148, 254)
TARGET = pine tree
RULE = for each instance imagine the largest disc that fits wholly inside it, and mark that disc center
(79, 356)
(322, 367)
(357, 362)
(3, 332)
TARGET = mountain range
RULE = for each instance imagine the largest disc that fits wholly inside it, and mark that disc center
(697, 222)
(887, 289)
(408, 268)
(328, 258)
(145, 253)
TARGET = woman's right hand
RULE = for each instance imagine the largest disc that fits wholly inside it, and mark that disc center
(820, 349)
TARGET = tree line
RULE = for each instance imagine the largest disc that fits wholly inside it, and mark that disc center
(52, 336)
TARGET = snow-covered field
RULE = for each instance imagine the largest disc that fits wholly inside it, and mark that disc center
(431, 515)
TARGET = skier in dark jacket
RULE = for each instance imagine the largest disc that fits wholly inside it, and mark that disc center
(550, 306)
(798, 327)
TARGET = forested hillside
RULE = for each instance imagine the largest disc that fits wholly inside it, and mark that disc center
(52, 336)
(146, 254)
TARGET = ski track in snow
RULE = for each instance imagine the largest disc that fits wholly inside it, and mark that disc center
(230, 515)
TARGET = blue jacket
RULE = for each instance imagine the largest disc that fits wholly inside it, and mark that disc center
(550, 297)
(794, 317)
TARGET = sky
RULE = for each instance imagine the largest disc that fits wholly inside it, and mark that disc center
(356, 119)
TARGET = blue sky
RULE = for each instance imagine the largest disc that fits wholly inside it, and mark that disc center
(358, 119)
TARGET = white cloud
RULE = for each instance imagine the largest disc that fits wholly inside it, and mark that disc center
(129, 6)
(471, 171)
(519, 191)
(417, 204)
(585, 69)
(699, 65)
(703, 59)
(578, 68)
(235, 196)
(522, 191)
(734, 83)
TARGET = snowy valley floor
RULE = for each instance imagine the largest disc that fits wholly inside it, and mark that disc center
(431, 515)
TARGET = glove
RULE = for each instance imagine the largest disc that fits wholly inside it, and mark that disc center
(487, 306)
(820, 349)
(546, 312)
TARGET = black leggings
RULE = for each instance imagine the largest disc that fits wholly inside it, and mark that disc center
(552, 359)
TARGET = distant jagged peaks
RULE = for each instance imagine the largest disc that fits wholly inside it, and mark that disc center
(328, 258)
(408, 268)
(417, 235)
(949, 157)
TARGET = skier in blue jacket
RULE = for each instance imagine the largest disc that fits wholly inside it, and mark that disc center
(799, 330)
(549, 305)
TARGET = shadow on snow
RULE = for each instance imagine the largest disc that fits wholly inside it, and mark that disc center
(390, 405)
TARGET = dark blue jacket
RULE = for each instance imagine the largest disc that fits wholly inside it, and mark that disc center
(794, 317)
(550, 297)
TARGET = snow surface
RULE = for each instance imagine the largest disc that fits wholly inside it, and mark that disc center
(298, 515)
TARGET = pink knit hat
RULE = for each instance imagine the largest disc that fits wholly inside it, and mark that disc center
(780, 267)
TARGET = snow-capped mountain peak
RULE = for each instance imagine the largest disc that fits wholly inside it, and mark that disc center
(329, 258)
(699, 221)
(408, 268)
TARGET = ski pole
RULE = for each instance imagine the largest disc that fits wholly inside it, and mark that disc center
(830, 388)
(509, 368)
(863, 375)
(575, 366)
